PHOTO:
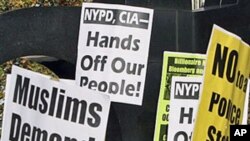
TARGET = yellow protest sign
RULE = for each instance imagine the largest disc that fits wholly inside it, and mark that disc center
(224, 86)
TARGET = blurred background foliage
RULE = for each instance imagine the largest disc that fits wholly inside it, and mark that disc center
(7, 5)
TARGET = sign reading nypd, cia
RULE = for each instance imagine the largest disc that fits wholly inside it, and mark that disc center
(113, 50)
(116, 17)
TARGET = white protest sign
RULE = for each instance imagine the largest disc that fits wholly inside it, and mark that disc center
(113, 50)
(37, 108)
(184, 100)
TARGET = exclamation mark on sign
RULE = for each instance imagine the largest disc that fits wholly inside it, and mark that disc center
(138, 89)
(91, 139)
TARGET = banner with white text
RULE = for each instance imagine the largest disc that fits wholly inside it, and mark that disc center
(113, 50)
(224, 86)
(38, 108)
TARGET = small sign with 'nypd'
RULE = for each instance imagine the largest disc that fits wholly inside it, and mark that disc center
(184, 100)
